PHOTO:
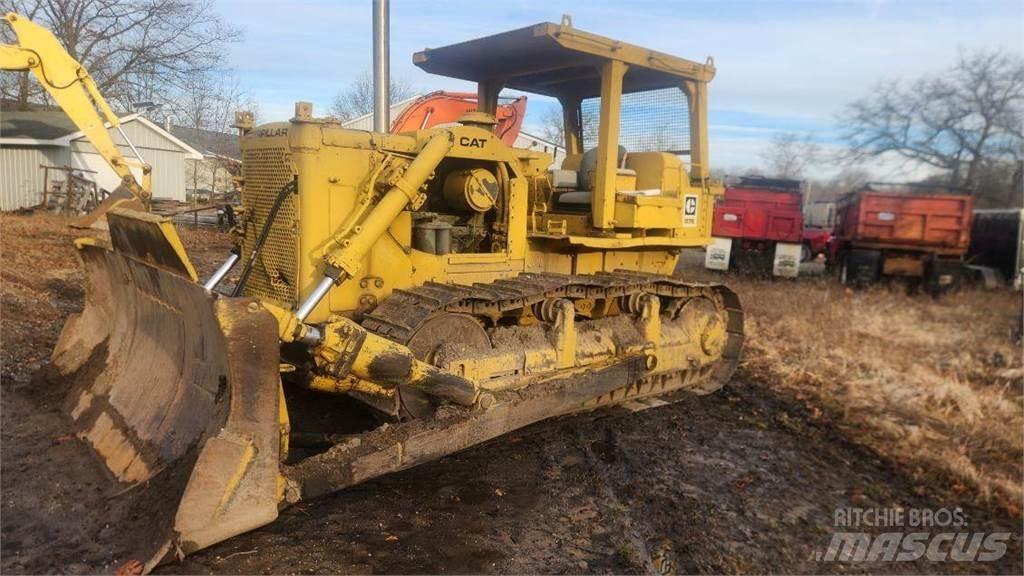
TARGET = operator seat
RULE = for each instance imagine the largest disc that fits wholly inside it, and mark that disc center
(582, 197)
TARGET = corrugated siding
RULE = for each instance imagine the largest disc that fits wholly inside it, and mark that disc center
(169, 180)
(21, 178)
(168, 171)
(166, 157)
(142, 136)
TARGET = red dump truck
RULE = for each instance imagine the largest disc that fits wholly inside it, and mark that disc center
(758, 226)
(911, 231)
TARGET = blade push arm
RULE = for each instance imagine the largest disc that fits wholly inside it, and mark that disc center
(71, 87)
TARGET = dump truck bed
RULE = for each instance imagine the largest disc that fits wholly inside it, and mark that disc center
(759, 214)
(931, 222)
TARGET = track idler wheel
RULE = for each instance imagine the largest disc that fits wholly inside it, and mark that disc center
(703, 321)
(440, 338)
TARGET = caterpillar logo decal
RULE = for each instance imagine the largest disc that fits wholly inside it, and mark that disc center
(472, 142)
(270, 132)
(690, 211)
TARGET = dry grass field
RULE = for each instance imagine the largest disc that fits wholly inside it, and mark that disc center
(934, 385)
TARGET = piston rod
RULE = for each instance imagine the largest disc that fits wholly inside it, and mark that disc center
(222, 271)
(321, 290)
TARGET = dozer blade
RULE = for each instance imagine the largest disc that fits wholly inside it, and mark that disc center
(120, 198)
(176, 390)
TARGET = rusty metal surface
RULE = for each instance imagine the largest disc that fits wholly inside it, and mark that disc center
(903, 266)
(156, 369)
(149, 238)
(233, 486)
(163, 383)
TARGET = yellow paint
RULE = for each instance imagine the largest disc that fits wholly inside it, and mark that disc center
(608, 144)
(362, 195)
(283, 422)
(565, 334)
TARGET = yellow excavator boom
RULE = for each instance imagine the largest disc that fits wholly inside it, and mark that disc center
(74, 90)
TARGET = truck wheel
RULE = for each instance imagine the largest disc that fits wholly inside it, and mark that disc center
(753, 263)
(943, 275)
(860, 268)
(806, 255)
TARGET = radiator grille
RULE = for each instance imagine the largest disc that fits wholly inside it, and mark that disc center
(266, 172)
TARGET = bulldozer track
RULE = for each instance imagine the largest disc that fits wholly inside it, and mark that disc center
(416, 439)
(405, 311)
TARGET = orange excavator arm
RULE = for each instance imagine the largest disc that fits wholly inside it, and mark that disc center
(73, 89)
(442, 108)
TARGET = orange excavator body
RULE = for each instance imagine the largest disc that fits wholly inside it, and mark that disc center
(441, 108)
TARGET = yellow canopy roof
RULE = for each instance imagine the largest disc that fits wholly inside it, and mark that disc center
(557, 59)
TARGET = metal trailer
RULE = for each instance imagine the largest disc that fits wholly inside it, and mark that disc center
(997, 244)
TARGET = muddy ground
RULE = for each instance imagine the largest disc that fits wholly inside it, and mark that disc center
(744, 480)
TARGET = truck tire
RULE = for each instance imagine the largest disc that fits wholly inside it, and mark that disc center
(860, 268)
(752, 262)
(806, 254)
(943, 275)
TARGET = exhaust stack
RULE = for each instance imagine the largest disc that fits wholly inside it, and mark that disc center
(381, 64)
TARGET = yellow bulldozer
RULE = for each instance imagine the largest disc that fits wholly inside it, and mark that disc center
(404, 296)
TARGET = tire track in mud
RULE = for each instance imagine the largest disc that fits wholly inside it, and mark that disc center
(599, 453)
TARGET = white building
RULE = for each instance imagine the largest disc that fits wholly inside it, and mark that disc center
(32, 139)
(214, 174)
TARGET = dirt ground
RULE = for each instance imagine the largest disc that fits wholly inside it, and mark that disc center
(744, 480)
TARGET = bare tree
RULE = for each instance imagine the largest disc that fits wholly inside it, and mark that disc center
(789, 154)
(957, 120)
(997, 184)
(135, 49)
(552, 125)
(203, 115)
(357, 99)
(209, 102)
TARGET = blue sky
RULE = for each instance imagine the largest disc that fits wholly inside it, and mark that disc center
(783, 65)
